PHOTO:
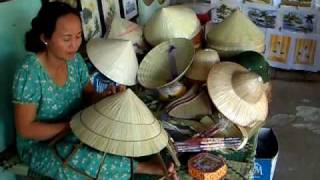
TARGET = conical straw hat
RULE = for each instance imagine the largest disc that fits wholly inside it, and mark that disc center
(235, 34)
(237, 93)
(171, 22)
(166, 63)
(196, 107)
(126, 30)
(120, 124)
(202, 63)
(115, 59)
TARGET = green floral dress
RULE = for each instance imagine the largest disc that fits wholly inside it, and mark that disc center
(68, 158)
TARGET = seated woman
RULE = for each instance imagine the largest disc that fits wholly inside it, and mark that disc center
(47, 91)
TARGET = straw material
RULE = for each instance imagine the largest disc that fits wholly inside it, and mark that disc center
(120, 124)
(192, 92)
(171, 22)
(203, 61)
(235, 35)
(127, 30)
(237, 93)
(115, 59)
(154, 70)
(196, 107)
(172, 91)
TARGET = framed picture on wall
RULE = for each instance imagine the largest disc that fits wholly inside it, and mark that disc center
(128, 9)
(91, 21)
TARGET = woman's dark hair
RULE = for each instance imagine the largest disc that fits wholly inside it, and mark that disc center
(45, 23)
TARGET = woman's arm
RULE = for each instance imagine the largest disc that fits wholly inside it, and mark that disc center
(28, 128)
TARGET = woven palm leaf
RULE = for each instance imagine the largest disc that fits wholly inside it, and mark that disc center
(237, 93)
(172, 91)
(192, 92)
(171, 22)
(120, 124)
(114, 58)
(196, 107)
(155, 69)
(126, 30)
(235, 35)
(202, 63)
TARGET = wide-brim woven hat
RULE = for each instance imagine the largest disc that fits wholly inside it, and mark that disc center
(166, 63)
(202, 63)
(120, 124)
(235, 34)
(126, 30)
(237, 93)
(114, 58)
(171, 22)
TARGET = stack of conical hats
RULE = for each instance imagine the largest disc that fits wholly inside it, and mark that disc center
(171, 22)
(127, 30)
(234, 35)
(120, 124)
(113, 57)
(166, 63)
(237, 93)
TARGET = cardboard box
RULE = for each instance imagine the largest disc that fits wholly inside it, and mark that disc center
(267, 155)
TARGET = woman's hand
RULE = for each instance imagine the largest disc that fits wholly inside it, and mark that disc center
(91, 96)
(112, 89)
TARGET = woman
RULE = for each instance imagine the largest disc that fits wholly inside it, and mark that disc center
(47, 91)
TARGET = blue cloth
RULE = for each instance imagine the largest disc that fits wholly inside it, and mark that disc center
(33, 85)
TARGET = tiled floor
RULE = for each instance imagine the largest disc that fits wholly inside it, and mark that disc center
(295, 117)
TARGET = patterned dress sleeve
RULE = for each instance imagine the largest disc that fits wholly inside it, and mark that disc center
(83, 71)
(26, 86)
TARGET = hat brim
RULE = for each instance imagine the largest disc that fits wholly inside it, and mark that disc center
(226, 100)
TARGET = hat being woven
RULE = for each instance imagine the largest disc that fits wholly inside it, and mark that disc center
(120, 124)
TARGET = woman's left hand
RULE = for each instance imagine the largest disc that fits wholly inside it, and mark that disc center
(112, 89)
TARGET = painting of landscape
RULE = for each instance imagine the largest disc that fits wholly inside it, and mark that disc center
(263, 18)
(298, 21)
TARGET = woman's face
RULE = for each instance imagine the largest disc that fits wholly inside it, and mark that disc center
(66, 39)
